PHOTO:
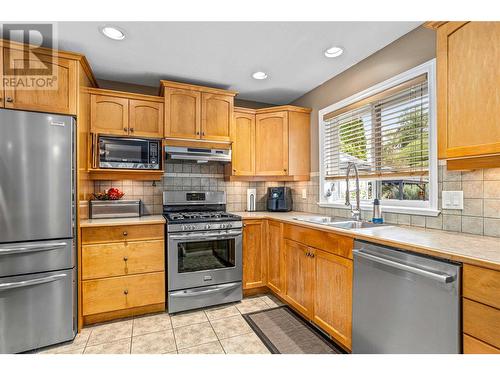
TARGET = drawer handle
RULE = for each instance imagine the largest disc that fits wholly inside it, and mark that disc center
(125, 258)
(125, 233)
(125, 291)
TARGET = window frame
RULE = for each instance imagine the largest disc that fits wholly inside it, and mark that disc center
(428, 208)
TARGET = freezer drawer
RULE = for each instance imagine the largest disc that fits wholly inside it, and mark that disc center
(37, 310)
(37, 256)
(404, 303)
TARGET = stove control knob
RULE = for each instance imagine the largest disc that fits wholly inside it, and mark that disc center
(229, 226)
(207, 226)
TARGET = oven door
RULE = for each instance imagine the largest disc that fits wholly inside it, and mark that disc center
(204, 258)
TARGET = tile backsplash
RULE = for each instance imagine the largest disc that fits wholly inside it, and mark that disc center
(481, 213)
(187, 175)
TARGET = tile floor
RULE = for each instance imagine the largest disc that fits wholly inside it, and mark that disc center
(216, 330)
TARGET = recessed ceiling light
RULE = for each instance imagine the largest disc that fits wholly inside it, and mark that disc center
(259, 75)
(334, 52)
(113, 32)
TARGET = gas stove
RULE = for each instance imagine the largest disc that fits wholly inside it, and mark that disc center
(204, 250)
(199, 216)
(197, 210)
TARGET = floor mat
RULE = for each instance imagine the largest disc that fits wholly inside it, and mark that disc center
(285, 332)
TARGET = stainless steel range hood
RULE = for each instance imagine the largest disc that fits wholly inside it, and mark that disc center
(198, 154)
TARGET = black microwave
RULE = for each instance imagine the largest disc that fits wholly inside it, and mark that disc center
(129, 153)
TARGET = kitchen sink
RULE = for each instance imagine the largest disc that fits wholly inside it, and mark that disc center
(338, 222)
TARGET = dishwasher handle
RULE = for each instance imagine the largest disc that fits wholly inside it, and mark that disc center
(441, 277)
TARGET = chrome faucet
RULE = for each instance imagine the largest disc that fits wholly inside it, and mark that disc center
(356, 213)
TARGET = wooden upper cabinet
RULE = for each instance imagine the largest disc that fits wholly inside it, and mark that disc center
(145, 118)
(59, 96)
(271, 144)
(333, 295)
(122, 113)
(468, 73)
(197, 112)
(109, 114)
(275, 257)
(254, 255)
(243, 136)
(182, 113)
(216, 116)
(299, 277)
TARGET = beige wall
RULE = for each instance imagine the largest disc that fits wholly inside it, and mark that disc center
(410, 50)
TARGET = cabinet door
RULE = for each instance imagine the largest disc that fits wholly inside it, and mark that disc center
(468, 82)
(275, 257)
(182, 113)
(333, 295)
(109, 115)
(243, 148)
(58, 95)
(254, 256)
(271, 144)
(216, 116)
(299, 277)
(146, 118)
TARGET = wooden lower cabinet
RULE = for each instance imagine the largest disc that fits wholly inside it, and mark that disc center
(318, 284)
(122, 270)
(254, 254)
(475, 346)
(333, 295)
(299, 278)
(126, 258)
(275, 257)
(481, 310)
(118, 293)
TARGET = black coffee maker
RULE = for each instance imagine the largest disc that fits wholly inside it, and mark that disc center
(279, 198)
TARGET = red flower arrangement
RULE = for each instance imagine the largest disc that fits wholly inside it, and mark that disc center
(112, 194)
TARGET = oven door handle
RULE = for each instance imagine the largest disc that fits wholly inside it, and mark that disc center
(209, 290)
(217, 236)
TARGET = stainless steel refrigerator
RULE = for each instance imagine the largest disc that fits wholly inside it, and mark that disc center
(37, 230)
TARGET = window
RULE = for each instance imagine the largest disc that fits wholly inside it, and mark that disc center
(388, 131)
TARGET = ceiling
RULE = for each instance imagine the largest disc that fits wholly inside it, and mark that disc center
(225, 54)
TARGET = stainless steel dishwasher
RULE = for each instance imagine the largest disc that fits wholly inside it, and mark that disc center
(404, 303)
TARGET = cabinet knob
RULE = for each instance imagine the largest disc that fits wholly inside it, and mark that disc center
(125, 291)
(125, 129)
(284, 170)
(197, 133)
(8, 99)
(125, 258)
(131, 130)
(202, 133)
(125, 233)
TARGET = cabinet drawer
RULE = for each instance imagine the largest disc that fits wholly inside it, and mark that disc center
(118, 293)
(482, 285)
(122, 258)
(475, 346)
(481, 321)
(330, 242)
(122, 233)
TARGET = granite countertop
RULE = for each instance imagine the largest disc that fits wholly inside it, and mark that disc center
(148, 219)
(465, 248)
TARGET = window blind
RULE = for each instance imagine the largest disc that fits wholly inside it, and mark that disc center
(385, 135)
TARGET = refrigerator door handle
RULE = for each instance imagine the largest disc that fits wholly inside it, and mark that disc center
(23, 284)
(32, 248)
(441, 277)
